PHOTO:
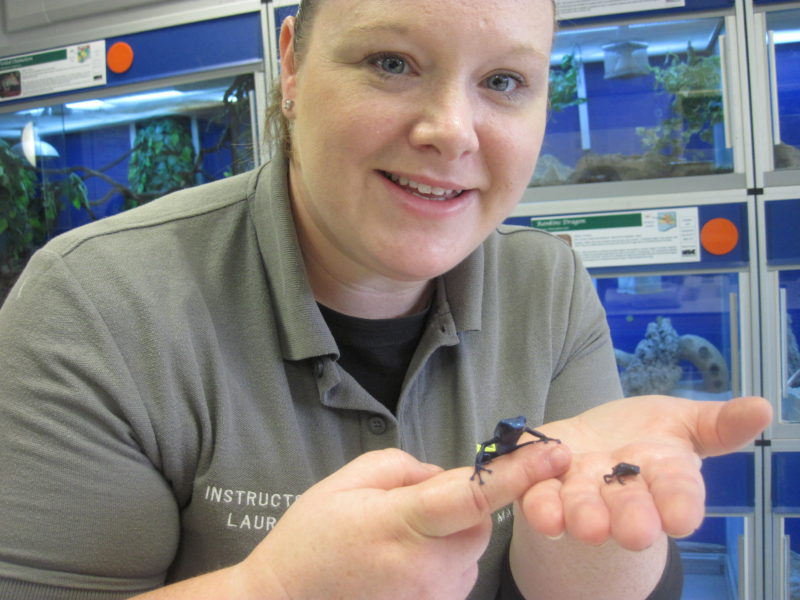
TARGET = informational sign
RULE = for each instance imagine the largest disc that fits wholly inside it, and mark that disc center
(579, 9)
(648, 237)
(53, 71)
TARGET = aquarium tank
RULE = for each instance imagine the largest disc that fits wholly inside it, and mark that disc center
(789, 283)
(70, 163)
(635, 101)
(674, 334)
(783, 40)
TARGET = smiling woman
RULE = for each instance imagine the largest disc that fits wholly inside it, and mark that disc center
(338, 327)
(437, 98)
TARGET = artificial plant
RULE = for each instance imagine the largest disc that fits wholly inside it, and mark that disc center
(694, 82)
(162, 160)
(28, 210)
(564, 84)
(21, 220)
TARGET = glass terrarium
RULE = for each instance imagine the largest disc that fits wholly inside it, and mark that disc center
(791, 558)
(789, 298)
(67, 164)
(636, 101)
(675, 334)
(710, 558)
(785, 495)
(783, 41)
(716, 557)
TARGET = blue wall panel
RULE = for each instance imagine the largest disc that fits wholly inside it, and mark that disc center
(786, 482)
(787, 63)
(783, 232)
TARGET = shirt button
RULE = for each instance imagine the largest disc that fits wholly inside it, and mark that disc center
(377, 425)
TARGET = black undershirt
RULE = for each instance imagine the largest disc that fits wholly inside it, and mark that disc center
(377, 352)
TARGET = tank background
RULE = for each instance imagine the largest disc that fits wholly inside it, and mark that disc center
(616, 108)
(628, 327)
(787, 61)
(96, 148)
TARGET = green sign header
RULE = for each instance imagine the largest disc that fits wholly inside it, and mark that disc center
(30, 60)
(589, 222)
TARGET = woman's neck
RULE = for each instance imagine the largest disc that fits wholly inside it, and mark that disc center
(369, 299)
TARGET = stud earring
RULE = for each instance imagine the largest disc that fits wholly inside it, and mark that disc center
(288, 104)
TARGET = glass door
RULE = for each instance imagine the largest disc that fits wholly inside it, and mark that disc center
(641, 100)
(76, 161)
(779, 78)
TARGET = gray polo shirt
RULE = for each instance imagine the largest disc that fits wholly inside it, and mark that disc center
(169, 386)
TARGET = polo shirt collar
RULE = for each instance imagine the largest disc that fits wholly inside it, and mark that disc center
(302, 330)
(462, 289)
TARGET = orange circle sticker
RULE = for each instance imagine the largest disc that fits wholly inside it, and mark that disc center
(119, 57)
(719, 236)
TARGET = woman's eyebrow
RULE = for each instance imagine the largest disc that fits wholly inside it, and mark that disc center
(394, 27)
(528, 50)
(379, 27)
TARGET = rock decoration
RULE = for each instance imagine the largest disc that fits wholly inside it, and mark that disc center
(654, 367)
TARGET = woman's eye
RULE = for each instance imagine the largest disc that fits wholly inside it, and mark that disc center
(392, 64)
(502, 82)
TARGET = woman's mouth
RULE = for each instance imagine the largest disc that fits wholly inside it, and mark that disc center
(422, 190)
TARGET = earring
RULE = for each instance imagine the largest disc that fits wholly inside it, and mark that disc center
(288, 104)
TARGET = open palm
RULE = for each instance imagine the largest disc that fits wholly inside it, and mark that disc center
(667, 438)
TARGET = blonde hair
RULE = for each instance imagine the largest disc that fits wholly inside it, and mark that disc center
(278, 129)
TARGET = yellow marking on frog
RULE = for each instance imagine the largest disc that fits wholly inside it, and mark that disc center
(489, 448)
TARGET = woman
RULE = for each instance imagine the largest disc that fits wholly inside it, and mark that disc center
(181, 377)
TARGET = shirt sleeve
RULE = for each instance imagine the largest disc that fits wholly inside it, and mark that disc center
(586, 373)
(84, 513)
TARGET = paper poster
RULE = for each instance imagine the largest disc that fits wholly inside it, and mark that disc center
(578, 9)
(648, 237)
(52, 71)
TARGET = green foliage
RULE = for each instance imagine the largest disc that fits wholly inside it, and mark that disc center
(162, 160)
(22, 221)
(29, 209)
(564, 84)
(76, 193)
(695, 86)
(71, 190)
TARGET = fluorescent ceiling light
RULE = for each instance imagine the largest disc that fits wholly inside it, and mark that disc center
(88, 105)
(148, 97)
(786, 37)
(34, 112)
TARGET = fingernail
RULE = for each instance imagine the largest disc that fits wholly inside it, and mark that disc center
(555, 538)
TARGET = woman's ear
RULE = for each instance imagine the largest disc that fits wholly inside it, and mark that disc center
(288, 64)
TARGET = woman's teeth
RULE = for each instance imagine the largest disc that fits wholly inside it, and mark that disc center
(421, 188)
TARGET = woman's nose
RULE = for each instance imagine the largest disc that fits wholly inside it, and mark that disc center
(446, 124)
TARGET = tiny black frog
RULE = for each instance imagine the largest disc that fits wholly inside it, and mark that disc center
(621, 470)
(506, 436)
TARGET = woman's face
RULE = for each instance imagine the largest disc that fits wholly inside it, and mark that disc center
(416, 127)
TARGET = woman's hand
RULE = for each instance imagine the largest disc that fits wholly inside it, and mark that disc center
(667, 438)
(388, 526)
